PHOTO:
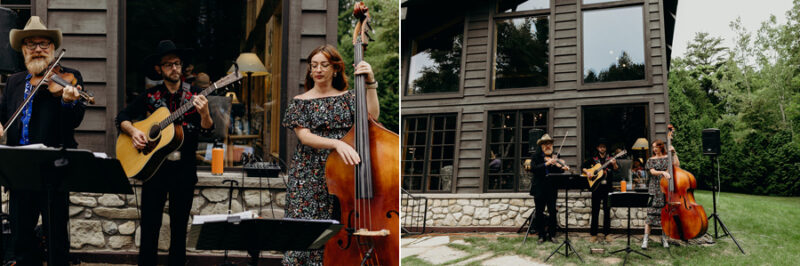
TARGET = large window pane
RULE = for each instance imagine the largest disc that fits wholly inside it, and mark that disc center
(436, 62)
(508, 148)
(613, 45)
(522, 56)
(429, 152)
(506, 6)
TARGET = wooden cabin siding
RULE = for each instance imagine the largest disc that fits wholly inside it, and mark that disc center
(307, 24)
(564, 99)
(90, 35)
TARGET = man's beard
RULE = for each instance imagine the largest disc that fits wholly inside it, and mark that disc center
(175, 80)
(548, 152)
(37, 63)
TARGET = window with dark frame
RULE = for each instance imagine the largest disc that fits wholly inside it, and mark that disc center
(429, 152)
(613, 44)
(522, 50)
(508, 148)
(435, 65)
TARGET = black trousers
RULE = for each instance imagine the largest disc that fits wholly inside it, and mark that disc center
(545, 200)
(176, 182)
(600, 197)
(25, 208)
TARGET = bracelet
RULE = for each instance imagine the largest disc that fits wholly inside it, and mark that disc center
(372, 86)
(370, 83)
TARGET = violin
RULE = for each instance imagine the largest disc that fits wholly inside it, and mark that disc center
(682, 217)
(63, 79)
(367, 193)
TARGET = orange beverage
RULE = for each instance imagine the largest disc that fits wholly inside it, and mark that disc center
(623, 186)
(217, 155)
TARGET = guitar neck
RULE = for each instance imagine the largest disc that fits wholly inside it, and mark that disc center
(185, 108)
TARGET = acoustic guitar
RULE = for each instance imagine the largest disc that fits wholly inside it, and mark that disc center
(163, 136)
(597, 172)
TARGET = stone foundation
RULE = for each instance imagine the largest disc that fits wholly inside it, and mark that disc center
(510, 210)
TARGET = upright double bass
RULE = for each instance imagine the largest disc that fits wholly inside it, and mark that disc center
(367, 193)
(681, 218)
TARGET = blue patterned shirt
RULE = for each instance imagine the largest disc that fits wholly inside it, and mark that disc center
(26, 112)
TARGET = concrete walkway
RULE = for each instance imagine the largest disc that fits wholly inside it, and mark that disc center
(439, 250)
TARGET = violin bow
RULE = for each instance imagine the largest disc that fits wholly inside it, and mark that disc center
(558, 154)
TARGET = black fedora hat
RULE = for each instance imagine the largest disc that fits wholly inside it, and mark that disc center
(164, 47)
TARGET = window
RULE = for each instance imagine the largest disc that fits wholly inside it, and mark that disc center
(22, 8)
(613, 44)
(429, 152)
(506, 6)
(522, 51)
(508, 147)
(435, 65)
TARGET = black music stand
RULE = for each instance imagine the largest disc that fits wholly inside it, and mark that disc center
(567, 181)
(64, 170)
(263, 234)
(629, 200)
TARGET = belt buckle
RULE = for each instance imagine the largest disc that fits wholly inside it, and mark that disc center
(174, 156)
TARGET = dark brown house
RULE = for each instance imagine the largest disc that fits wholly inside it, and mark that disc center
(478, 75)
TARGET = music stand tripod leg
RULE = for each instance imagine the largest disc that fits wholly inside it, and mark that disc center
(530, 222)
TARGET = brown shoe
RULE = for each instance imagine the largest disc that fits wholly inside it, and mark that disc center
(609, 238)
(593, 239)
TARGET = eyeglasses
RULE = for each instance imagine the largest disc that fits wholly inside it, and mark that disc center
(32, 45)
(323, 65)
(171, 64)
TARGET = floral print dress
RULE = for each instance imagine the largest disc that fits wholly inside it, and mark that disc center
(307, 193)
(654, 188)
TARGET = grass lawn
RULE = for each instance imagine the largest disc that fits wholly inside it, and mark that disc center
(768, 228)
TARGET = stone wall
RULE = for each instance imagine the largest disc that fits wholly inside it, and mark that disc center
(509, 210)
(110, 222)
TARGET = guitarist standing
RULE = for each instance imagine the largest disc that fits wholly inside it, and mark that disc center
(177, 176)
(600, 195)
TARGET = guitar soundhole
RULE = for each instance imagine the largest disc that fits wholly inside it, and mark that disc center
(155, 130)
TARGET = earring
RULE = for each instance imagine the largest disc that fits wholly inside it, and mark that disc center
(334, 74)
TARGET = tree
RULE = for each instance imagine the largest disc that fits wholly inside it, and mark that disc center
(382, 53)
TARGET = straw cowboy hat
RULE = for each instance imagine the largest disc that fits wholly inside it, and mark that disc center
(34, 28)
(545, 139)
(164, 47)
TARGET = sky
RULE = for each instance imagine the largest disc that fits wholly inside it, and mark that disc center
(715, 16)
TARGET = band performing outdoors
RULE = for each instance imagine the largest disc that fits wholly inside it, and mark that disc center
(340, 144)
(448, 132)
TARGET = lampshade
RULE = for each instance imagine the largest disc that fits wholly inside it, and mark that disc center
(249, 62)
(641, 144)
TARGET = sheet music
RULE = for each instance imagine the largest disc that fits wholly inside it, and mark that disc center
(35, 146)
(201, 219)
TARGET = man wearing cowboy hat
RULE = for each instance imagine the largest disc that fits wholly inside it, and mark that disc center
(542, 189)
(177, 176)
(600, 195)
(48, 119)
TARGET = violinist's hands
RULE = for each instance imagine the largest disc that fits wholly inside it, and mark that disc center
(70, 93)
(139, 139)
(565, 168)
(550, 162)
(348, 154)
(365, 68)
(201, 103)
